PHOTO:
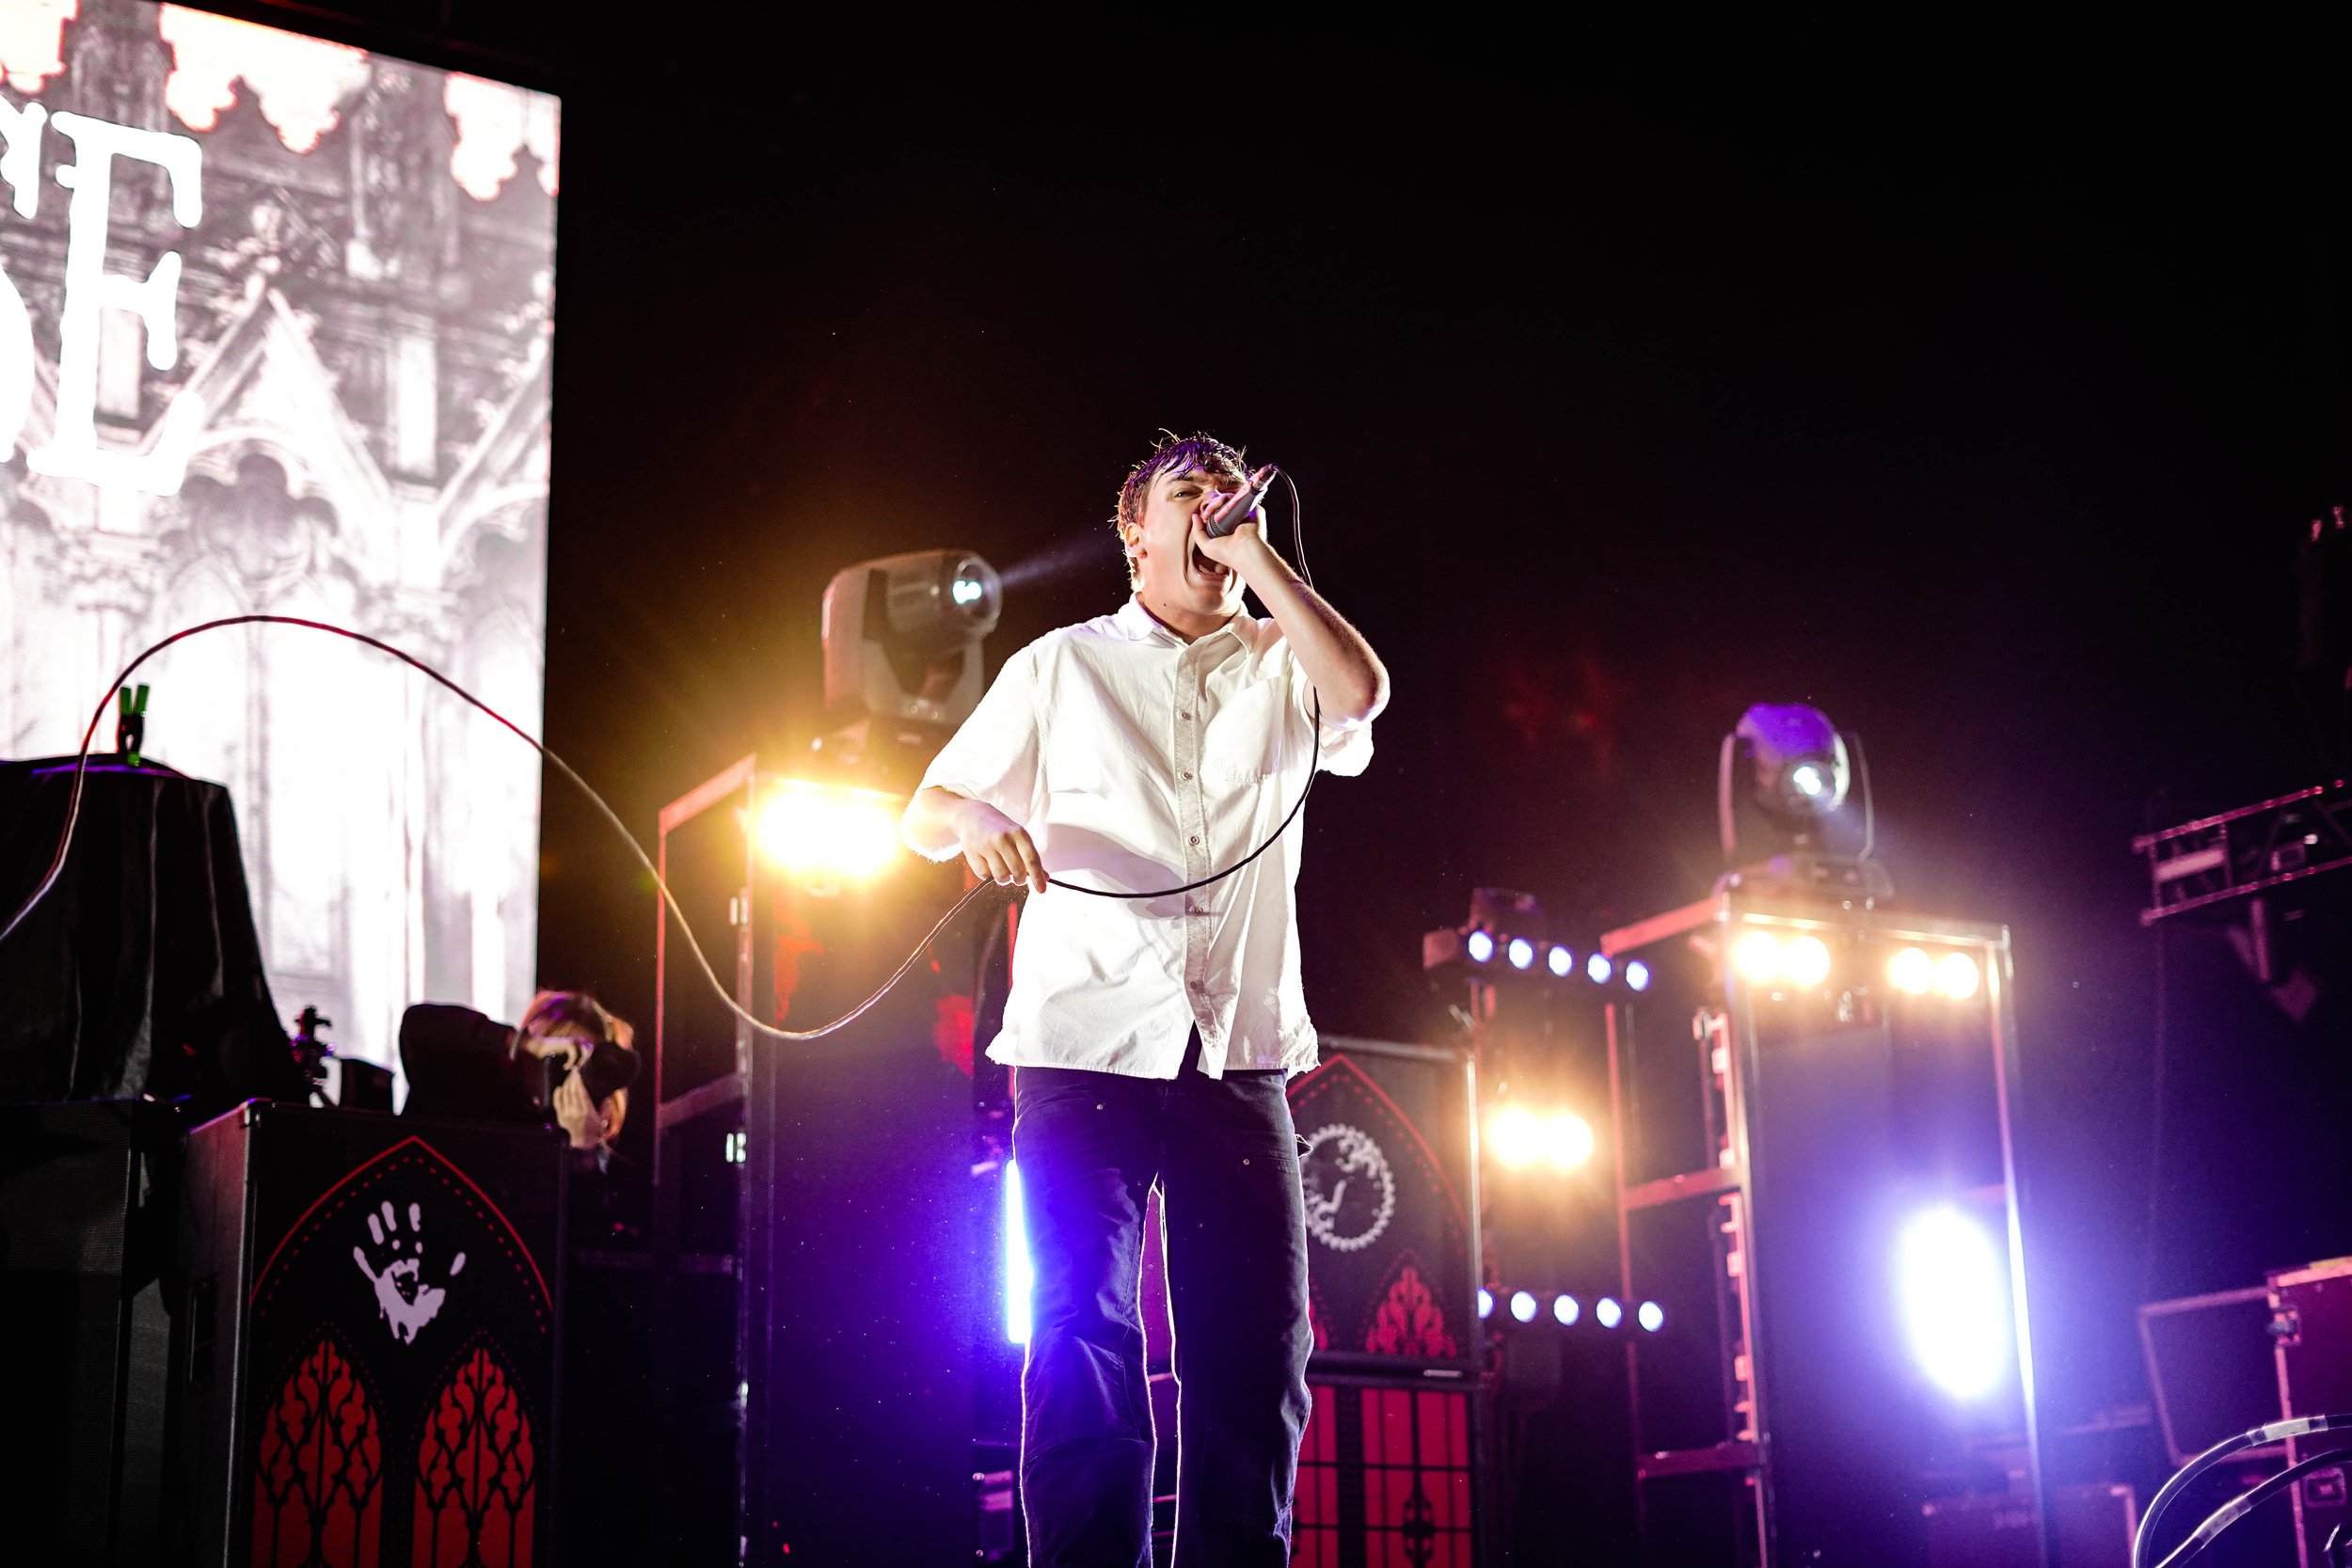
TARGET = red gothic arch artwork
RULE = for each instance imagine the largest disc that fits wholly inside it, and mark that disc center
(318, 1490)
(477, 1471)
(1409, 1321)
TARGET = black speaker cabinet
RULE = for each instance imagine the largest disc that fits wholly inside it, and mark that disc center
(85, 1228)
(861, 1283)
(369, 1344)
(1392, 1209)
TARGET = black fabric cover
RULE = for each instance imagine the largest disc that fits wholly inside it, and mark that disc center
(460, 1069)
(140, 973)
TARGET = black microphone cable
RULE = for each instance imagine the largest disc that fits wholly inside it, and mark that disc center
(2144, 1542)
(2253, 1497)
(604, 808)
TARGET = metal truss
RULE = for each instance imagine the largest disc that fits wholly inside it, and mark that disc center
(2246, 851)
(1735, 1064)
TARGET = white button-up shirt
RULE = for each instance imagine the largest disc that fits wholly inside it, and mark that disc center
(1138, 761)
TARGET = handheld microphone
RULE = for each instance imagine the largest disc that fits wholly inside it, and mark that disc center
(1245, 507)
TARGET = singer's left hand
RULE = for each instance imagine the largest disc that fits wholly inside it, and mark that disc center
(1238, 549)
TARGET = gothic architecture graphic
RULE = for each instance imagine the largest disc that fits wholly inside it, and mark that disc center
(275, 321)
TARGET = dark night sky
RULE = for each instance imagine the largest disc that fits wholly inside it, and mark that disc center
(1983, 419)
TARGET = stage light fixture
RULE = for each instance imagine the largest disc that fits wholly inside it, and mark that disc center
(1019, 1275)
(1800, 765)
(1756, 958)
(1486, 1303)
(1637, 974)
(1566, 1310)
(1503, 927)
(902, 637)
(1957, 977)
(1607, 1313)
(1560, 961)
(1652, 1317)
(1911, 971)
(1805, 960)
(1803, 835)
(1523, 1306)
(1515, 1135)
(1598, 968)
(830, 833)
(1949, 1277)
(1567, 1140)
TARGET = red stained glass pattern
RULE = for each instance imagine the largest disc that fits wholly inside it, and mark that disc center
(477, 1473)
(319, 1470)
(1409, 1321)
(951, 1032)
(1384, 1479)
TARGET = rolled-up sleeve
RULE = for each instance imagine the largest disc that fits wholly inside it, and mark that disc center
(1342, 749)
(993, 757)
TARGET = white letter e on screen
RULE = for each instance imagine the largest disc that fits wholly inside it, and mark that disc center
(74, 452)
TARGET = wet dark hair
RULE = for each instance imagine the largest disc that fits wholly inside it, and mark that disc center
(1171, 453)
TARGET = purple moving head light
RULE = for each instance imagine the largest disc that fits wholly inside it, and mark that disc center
(1800, 765)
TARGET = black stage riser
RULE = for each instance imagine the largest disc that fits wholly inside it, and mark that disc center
(85, 1211)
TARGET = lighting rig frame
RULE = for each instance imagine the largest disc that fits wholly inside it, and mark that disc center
(1727, 1033)
(2246, 852)
(1533, 1026)
(849, 1415)
(809, 1183)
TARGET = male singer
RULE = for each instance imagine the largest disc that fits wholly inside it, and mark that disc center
(1151, 1037)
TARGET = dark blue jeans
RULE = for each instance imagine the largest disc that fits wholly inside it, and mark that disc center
(1222, 1152)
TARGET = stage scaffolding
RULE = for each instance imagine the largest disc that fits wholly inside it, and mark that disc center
(2247, 852)
(814, 1201)
(1775, 1133)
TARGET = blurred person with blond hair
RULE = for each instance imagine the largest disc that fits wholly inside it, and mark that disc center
(567, 1063)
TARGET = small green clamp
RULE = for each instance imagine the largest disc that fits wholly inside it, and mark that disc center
(131, 724)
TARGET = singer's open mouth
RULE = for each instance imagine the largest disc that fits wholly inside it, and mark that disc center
(1206, 567)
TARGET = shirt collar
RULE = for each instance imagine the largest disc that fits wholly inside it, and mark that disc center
(1144, 626)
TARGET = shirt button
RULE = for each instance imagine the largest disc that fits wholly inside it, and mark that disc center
(1183, 775)
(1195, 839)
(1186, 714)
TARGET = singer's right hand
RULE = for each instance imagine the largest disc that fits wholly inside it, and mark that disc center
(1223, 511)
(997, 848)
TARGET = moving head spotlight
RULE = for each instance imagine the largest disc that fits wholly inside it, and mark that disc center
(902, 637)
(1798, 756)
(1800, 773)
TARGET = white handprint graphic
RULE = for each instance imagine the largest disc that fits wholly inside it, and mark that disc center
(406, 1300)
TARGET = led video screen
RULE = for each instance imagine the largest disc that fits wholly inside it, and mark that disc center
(275, 324)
